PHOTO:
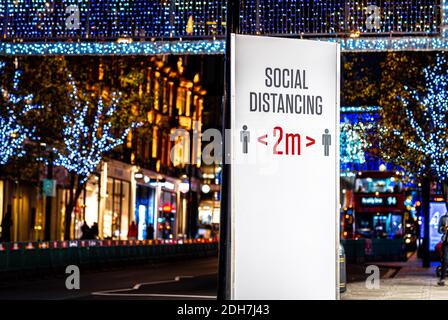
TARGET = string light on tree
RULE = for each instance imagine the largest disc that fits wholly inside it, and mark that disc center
(353, 145)
(13, 109)
(88, 134)
(425, 132)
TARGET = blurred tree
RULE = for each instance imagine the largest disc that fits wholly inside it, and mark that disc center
(88, 134)
(17, 130)
(79, 127)
(131, 76)
(47, 79)
(360, 86)
(14, 108)
(412, 132)
(360, 79)
(353, 143)
(411, 115)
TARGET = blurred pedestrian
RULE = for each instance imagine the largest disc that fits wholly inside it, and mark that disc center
(86, 233)
(132, 231)
(6, 225)
(94, 230)
(150, 232)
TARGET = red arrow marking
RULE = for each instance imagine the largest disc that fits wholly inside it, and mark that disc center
(261, 139)
(311, 141)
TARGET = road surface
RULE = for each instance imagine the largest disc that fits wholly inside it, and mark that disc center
(190, 279)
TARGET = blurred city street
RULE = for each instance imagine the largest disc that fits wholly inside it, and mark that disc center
(302, 144)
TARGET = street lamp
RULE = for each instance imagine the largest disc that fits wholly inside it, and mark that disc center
(205, 188)
(138, 175)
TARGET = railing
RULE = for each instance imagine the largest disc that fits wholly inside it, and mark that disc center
(364, 250)
(56, 255)
(103, 20)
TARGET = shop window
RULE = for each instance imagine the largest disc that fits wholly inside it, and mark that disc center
(87, 207)
(167, 215)
(116, 210)
(107, 218)
(125, 198)
(89, 201)
(116, 216)
(180, 150)
(144, 212)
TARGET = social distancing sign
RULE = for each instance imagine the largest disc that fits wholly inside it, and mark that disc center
(284, 170)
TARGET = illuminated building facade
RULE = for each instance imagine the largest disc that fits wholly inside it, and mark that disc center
(147, 180)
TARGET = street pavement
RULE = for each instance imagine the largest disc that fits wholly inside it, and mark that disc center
(412, 282)
(186, 279)
(196, 279)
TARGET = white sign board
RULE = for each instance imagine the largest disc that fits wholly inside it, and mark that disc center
(285, 168)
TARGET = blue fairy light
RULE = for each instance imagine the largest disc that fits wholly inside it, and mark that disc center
(13, 108)
(426, 113)
(85, 143)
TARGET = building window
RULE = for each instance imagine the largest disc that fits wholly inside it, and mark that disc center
(180, 148)
(156, 90)
(155, 141)
(116, 216)
(89, 201)
(165, 89)
(170, 98)
(144, 212)
(180, 103)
